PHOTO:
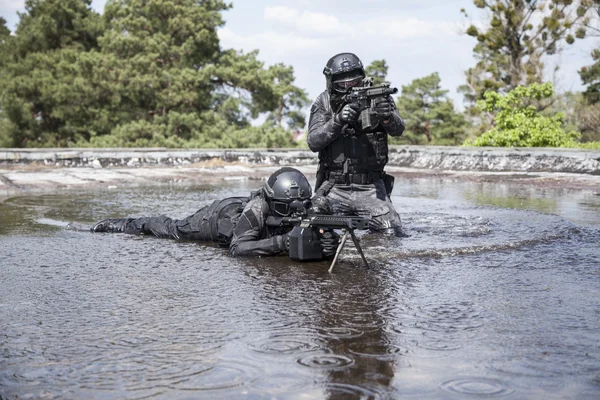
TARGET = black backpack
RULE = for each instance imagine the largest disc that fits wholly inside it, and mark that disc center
(225, 216)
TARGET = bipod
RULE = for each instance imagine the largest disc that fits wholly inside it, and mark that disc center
(341, 246)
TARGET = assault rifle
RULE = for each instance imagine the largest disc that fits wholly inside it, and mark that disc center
(364, 97)
(304, 239)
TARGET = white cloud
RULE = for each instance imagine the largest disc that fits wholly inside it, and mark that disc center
(306, 22)
(395, 28)
(322, 25)
(271, 42)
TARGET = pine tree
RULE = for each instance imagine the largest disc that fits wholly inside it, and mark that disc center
(291, 98)
(510, 51)
(429, 114)
(590, 77)
(377, 70)
(145, 73)
(43, 89)
(176, 86)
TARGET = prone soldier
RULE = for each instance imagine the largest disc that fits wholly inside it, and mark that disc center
(237, 223)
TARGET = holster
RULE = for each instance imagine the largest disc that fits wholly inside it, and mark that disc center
(388, 181)
(320, 174)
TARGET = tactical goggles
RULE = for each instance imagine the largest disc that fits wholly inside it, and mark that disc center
(286, 208)
(343, 85)
(281, 208)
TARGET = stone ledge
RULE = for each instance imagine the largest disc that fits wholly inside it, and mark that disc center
(579, 161)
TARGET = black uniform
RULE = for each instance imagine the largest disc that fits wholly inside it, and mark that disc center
(237, 223)
(351, 164)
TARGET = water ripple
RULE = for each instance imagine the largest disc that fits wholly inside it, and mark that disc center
(476, 386)
(224, 375)
(286, 343)
(326, 361)
(340, 333)
(380, 351)
(349, 392)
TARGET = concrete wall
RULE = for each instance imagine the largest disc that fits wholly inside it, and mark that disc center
(420, 157)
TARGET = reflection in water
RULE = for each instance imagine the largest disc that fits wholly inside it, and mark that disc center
(525, 203)
(478, 301)
(337, 326)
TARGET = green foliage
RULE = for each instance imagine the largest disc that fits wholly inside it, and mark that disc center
(145, 73)
(517, 123)
(290, 98)
(590, 76)
(588, 122)
(429, 114)
(377, 70)
(519, 33)
(578, 115)
(43, 88)
(4, 52)
(4, 35)
(5, 129)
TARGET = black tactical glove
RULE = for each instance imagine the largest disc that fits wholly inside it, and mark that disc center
(383, 108)
(284, 242)
(329, 243)
(348, 115)
(320, 205)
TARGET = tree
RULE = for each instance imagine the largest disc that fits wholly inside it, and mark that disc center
(511, 49)
(377, 70)
(589, 122)
(591, 26)
(145, 73)
(4, 34)
(429, 114)
(4, 43)
(5, 127)
(291, 99)
(517, 123)
(590, 76)
(589, 112)
(176, 86)
(43, 89)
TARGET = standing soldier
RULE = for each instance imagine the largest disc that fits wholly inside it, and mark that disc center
(351, 159)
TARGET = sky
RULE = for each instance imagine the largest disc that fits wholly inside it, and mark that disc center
(415, 37)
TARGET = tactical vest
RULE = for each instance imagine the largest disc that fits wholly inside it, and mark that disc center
(354, 153)
(360, 154)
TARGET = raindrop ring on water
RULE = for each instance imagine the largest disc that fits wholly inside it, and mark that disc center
(477, 386)
(326, 361)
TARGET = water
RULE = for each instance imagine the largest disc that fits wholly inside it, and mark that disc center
(494, 294)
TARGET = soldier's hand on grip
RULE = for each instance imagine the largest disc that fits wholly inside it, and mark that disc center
(284, 240)
(383, 108)
(329, 243)
(348, 115)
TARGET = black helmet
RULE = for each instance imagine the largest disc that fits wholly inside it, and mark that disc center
(343, 71)
(284, 186)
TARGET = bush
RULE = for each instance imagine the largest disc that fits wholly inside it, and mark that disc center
(518, 123)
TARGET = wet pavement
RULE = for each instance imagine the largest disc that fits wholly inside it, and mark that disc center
(493, 294)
